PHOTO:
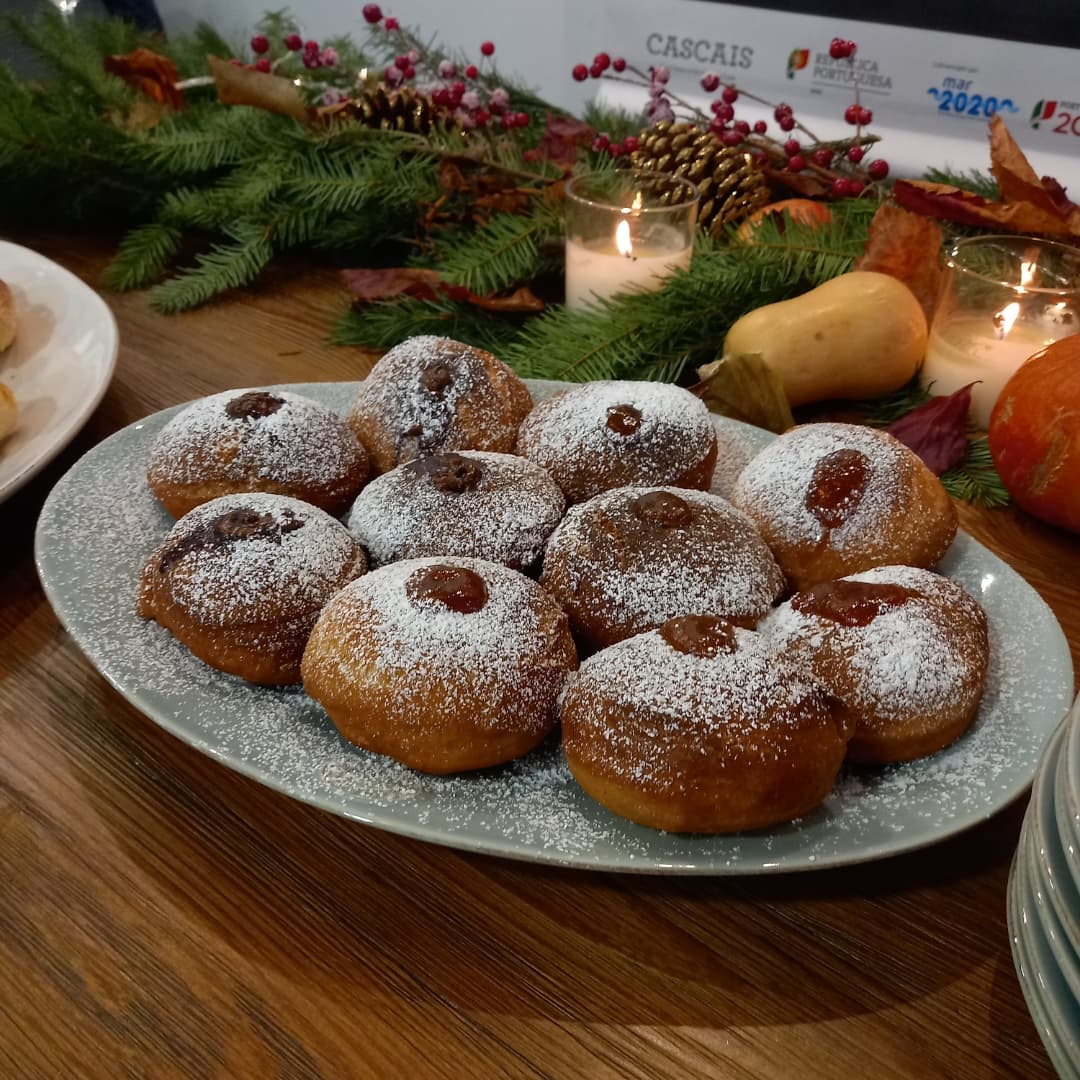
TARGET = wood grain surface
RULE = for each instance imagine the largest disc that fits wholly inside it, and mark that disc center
(162, 917)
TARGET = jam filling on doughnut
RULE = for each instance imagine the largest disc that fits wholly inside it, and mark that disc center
(838, 484)
(451, 473)
(623, 419)
(704, 636)
(461, 590)
(436, 378)
(253, 405)
(663, 509)
(851, 603)
(228, 529)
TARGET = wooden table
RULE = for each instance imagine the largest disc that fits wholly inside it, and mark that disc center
(161, 916)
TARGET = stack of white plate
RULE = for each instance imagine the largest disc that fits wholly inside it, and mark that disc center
(1044, 899)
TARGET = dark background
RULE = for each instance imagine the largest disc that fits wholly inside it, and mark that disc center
(1044, 22)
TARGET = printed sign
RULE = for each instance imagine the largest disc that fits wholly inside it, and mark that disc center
(956, 95)
(1059, 117)
(827, 72)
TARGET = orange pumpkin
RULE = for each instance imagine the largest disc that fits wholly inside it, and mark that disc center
(801, 211)
(1034, 434)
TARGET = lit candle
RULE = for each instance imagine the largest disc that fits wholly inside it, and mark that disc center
(1003, 299)
(626, 230)
(604, 269)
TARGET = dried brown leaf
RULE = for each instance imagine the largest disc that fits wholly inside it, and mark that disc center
(238, 85)
(745, 388)
(152, 74)
(906, 246)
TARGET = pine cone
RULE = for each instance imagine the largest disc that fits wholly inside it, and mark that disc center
(732, 187)
(388, 109)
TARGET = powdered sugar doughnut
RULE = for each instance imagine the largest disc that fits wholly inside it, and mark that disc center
(432, 394)
(474, 504)
(634, 557)
(701, 726)
(904, 649)
(241, 580)
(256, 440)
(605, 435)
(833, 499)
(444, 664)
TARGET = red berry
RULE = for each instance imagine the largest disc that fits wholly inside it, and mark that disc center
(311, 46)
(619, 64)
(294, 43)
(615, 149)
(742, 127)
(260, 44)
(262, 65)
(401, 62)
(710, 82)
(878, 169)
(472, 71)
(781, 111)
(717, 126)
(630, 144)
(838, 48)
(865, 115)
(851, 114)
(456, 90)
(521, 119)
(601, 142)
(481, 116)
(760, 127)
(441, 96)
(840, 188)
(855, 187)
(311, 60)
(786, 122)
(596, 71)
(409, 71)
(722, 109)
(730, 95)
(580, 73)
(506, 120)
(603, 60)
(372, 13)
(796, 163)
(792, 147)
(822, 158)
(851, 47)
(731, 138)
(855, 155)
(487, 48)
(391, 23)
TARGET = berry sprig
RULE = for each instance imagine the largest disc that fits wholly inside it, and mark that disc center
(296, 58)
(466, 91)
(837, 164)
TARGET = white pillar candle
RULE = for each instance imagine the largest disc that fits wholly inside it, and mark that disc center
(968, 349)
(601, 269)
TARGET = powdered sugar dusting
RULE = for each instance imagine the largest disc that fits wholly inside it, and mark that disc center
(302, 442)
(917, 658)
(506, 518)
(101, 523)
(569, 434)
(773, 488)
(604, 557)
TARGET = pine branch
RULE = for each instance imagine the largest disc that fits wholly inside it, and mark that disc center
(971, 180)
(143, 256)
(384, 324)
(505, 252)
(226, 266)
(975, 480)
(886, 410)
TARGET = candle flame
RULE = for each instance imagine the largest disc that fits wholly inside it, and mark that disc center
(1005, 318)
(622, 239)
(1027, 273)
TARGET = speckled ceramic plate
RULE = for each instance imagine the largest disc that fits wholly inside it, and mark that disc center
(101, 522)
(59, 365)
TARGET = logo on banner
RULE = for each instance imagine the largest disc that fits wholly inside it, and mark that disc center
(798, 59)
(1060, 117)
(826, 72)
(958, 97)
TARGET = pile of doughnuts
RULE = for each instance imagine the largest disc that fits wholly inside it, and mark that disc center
(455, 573)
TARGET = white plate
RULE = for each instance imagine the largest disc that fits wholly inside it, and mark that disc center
(1039, 979)
(100, 524)
(1068, 819)
(60, 364)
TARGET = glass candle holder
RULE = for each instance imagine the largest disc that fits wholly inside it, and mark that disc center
(626, 229)
(1002, 299)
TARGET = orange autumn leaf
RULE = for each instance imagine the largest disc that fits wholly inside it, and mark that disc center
(369, 286)
(906, 246)
(150, 73)
(1028, 203)
(238, 85)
